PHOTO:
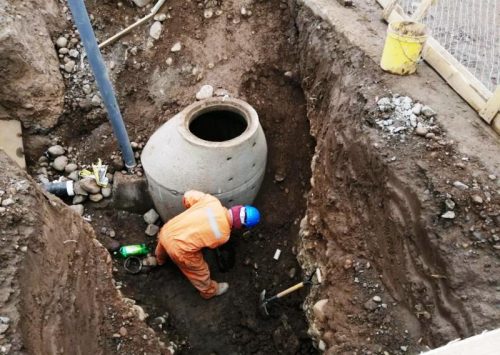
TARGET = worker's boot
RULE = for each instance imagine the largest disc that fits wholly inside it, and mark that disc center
(222, 288)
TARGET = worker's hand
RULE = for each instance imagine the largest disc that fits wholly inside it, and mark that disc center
(149, 261)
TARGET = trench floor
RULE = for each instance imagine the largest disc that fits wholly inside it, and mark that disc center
(232, 323)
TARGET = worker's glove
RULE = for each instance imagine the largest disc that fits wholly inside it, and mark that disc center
(149, 260)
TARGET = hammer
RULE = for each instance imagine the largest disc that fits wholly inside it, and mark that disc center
(263, 301)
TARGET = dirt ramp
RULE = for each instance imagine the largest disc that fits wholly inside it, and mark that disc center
(57, 291)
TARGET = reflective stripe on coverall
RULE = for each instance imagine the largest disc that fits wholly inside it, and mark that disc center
(205, 224)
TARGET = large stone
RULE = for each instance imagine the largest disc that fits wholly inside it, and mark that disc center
(60, 163)
(56, 150)
(205, 92)
(90, 185)
(155, 30)
(151, 230)
(151, 216)
(130, 193)
(32, 89)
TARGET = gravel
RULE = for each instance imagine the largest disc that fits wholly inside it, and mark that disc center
(61, 42)
(400, 116)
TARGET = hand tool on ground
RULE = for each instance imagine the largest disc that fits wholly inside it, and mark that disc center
(263, 301)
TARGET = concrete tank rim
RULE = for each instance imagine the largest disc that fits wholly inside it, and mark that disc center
(243, 108)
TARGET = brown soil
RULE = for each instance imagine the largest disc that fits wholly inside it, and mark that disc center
(56, 282)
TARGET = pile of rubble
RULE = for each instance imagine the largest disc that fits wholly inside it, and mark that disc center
(400, 115)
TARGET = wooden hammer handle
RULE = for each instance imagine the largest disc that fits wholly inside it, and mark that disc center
(290, 290)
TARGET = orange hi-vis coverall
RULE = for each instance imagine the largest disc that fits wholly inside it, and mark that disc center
(205, 224)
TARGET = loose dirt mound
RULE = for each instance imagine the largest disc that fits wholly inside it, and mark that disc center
(57, 292)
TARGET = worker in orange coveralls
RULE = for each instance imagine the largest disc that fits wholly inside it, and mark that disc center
(205, 224)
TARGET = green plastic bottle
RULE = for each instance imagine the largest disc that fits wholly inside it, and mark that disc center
(133, 250)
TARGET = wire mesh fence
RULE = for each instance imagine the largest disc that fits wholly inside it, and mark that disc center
(470, 31)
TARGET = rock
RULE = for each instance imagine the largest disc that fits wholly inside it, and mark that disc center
(319, 309)
(60, 163)
(77, 187)
(321, 345)
(430, 135)
(279, 177)
(377, 299)
(86, 89)
(448, 215)
(176, 47)
(428, 112)
(78, 209)
(169, 61)
(140, 312)
(370, 305)
(63, 51)
(155, 30)
(111, 233)
(106, 192)
(205, 92)
(95, 197)
(4, 320)
(73, 53)
(2, 209)
(130, 193)
(90, 185)
(450, 204)
(492, 177)
(79, 199)
(477, 199)
(71, 167)
(403, 348)
(417, 108)
(160, 17)
(421, 131)
(70, 66)
(292, 272)
(7, 202)
(460, 185)
(56, 150)
(96, 101)
(3, 328)
(208, 13)
(244, 12)
(123, 332)
(347, 264)
(141, 3)
(61, 42)
(152, 230)
(151, 216)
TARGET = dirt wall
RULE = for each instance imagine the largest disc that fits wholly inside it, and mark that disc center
(57, 290)
(32, 89)
(397, 276)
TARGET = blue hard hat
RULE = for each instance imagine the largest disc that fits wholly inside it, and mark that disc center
(252, 216)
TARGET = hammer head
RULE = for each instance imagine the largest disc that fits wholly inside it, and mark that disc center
(263, 304)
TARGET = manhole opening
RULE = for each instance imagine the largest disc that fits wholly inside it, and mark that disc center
(218, 125)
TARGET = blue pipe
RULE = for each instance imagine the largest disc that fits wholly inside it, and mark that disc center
(82, 22)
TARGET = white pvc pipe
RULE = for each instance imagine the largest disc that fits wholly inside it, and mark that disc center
(153, 12)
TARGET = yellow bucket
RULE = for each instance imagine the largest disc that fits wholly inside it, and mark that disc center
(403, 47)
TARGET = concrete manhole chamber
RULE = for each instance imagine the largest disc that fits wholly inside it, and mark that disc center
(215, 146)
